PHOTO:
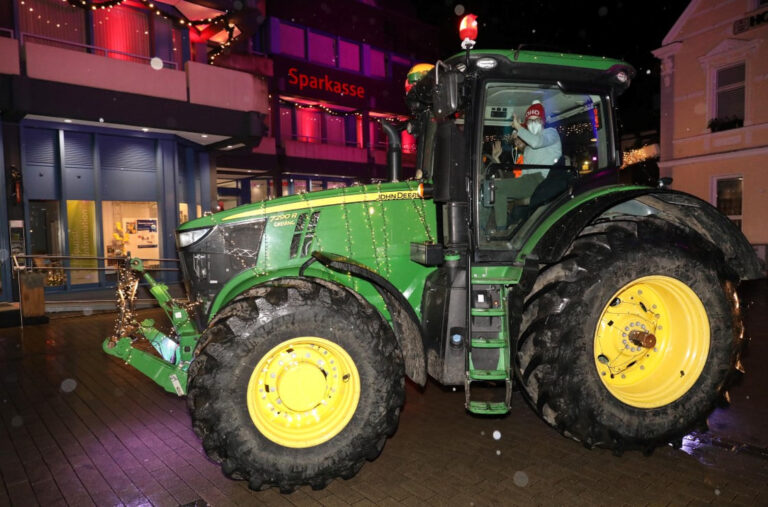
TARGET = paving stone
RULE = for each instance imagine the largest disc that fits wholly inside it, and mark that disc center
(117, 438)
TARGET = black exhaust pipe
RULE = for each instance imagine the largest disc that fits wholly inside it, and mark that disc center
(394, 151)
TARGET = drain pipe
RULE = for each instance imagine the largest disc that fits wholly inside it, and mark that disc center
(394, 151)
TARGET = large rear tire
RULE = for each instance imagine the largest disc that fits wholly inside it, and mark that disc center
(630, 340)
(297, 382)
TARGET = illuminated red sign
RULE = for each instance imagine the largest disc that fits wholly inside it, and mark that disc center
(324, 83)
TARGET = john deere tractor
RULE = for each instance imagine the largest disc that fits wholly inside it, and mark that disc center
(612, 309)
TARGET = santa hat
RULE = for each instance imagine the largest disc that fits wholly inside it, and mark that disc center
(535, 111)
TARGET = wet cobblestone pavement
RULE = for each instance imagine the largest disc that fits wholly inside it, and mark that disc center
(78, 427)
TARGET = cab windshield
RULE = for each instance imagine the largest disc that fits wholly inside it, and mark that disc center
(525, 166)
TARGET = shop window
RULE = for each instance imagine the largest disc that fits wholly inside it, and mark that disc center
(728, 197)
(292, 40)
(300, 186)
(123, 31)
(334, 129)
(131, 227)
(292, 185)
(183, 212)
(377, 66)
(53, 19)
(45, 241)
(322, 49)
(299, 183)
(81, 237)
(729, 97)
(262, 190)
(349, 56)
(308, 125)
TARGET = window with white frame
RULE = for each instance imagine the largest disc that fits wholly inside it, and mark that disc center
(730, 92)
(727, 197)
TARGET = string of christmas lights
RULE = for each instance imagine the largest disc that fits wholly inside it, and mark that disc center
(634, 156)
(94, 4)
(222, 19)
(575, 128)
(325, 109)
(332, 112)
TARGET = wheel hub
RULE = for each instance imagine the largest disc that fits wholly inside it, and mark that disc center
(301, 386)
(303, 392)
(642, 339)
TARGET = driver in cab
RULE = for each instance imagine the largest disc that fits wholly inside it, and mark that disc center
(543, 146)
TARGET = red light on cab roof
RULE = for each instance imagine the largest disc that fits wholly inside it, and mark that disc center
(468, 27)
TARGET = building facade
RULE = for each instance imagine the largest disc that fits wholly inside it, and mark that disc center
(111, 118)
(336, 69)
(714, 109)
(123, 118)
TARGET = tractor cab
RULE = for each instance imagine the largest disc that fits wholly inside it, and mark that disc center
(488, 169)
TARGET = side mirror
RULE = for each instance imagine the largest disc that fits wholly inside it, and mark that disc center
(445, 98)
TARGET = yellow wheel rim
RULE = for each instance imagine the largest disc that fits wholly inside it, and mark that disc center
(303, 392)
(651, 342)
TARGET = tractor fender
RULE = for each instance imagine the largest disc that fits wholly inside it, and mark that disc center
(405, 322)
(243, 281)
(551, 237)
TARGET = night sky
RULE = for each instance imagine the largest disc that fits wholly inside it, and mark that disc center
(628, 30)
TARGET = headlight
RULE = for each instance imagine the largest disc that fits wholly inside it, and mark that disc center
(186, 238)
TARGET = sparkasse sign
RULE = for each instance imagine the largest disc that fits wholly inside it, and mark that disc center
(325, 83)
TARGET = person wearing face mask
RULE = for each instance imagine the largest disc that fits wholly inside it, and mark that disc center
(543, 144)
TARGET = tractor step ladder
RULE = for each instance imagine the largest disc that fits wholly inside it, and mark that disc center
(488, 350)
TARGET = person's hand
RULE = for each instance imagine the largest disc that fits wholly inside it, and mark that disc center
(515, 122)
(496, 151)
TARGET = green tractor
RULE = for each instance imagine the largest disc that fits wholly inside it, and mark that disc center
(611, 308)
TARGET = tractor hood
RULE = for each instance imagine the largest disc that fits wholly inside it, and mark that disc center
(372, 224)
(312, 200)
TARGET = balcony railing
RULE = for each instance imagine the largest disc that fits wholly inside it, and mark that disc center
(95, 50)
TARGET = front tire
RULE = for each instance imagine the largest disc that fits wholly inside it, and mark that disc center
(298, 382)
(630, 340)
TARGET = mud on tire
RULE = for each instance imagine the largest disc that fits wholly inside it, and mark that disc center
(569, 310)
(255, 324)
